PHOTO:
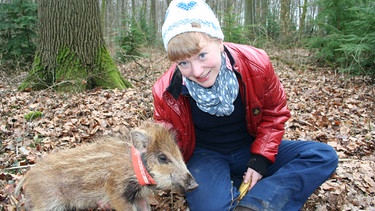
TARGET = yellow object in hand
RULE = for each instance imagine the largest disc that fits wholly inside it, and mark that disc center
(244, 187)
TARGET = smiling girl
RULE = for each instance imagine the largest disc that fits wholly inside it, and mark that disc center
(228, 109)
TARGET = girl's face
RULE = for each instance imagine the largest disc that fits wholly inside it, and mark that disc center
(203, 68)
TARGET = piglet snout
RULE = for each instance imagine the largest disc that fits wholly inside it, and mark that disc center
(191, 184)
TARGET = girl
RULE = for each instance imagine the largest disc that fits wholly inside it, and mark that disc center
(228, 108)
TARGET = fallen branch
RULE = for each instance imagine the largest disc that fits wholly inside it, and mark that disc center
(17, 167)
(303, 122)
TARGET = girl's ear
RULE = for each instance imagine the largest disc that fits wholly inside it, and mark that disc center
(221, 46)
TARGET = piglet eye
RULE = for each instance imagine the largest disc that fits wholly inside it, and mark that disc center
(163, 158)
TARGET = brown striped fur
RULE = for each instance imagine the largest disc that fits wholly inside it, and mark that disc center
(102, 173)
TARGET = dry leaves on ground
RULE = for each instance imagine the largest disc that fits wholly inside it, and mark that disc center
(325, 106)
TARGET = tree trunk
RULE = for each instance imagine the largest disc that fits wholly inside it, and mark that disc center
(303, 19)
(249, 12)
(250, 18)
(133, 8)
(72, 55)
(264, 12)
(285, 21)
(153, 17)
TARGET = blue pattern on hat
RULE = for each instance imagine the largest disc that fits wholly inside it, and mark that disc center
(187, 6)
(182, 13)
(188, 21)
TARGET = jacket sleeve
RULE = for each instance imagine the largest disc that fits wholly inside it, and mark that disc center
(265, 101)
(274, 114)
(174, 113)
(160, 106)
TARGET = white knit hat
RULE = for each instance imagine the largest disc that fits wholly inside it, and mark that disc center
(180, 16)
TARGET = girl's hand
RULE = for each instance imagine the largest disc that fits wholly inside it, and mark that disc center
(252, 176)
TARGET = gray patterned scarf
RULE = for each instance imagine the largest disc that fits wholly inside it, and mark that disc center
(218, 99)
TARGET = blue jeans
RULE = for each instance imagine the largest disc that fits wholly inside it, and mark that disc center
(300, 168)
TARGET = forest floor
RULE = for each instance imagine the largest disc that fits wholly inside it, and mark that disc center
(326, 106)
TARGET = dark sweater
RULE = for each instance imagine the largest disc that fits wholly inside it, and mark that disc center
(225, 134)
(222, 134)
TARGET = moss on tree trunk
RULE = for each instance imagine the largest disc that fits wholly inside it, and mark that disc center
(70, 75)
(37, 78)
(107, 74)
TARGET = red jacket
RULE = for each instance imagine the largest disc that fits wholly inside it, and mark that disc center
(263, 95)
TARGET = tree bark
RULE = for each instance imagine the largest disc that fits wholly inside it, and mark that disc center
(303, 18)
(249, 12)
(153, 16)
(71, 54)
(285, 20)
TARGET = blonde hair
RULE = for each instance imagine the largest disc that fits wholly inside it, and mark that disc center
(186, 45)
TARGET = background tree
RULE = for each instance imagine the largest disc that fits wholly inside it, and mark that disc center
(71, 54)
(250, 12)
(345, 36)
(285, 21)
(303, 18)
(339, 32)
(250, 15)
(17, 34)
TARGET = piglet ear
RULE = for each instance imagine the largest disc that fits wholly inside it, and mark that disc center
(140, 140)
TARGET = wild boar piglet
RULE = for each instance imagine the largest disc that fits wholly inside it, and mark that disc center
(117, 170)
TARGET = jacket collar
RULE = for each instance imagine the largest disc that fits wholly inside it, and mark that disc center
(175, 86)
(231, 59)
